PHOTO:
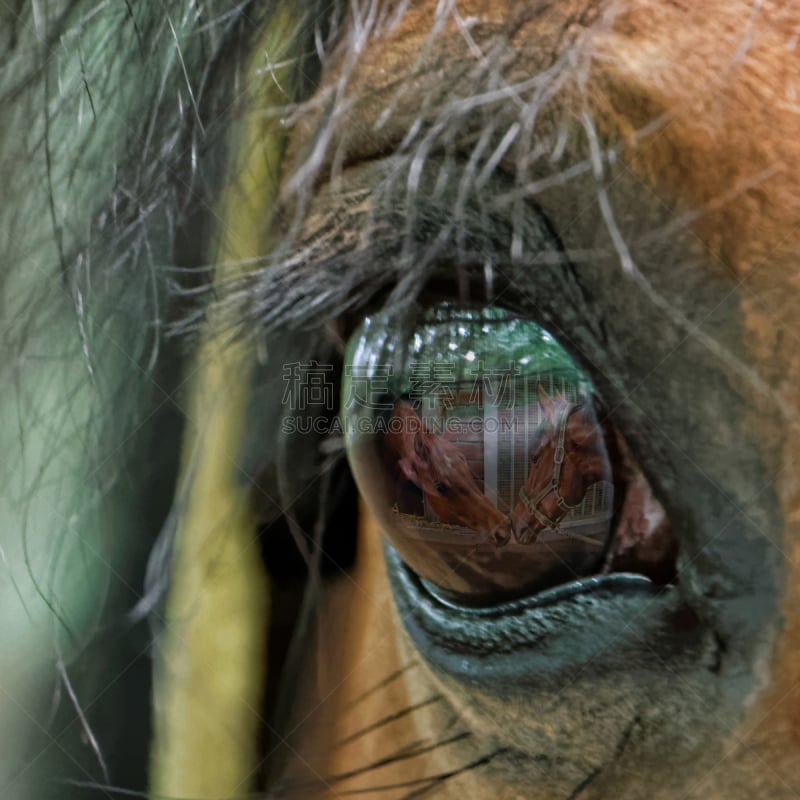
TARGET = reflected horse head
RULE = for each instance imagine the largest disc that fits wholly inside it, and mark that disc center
(567, 456)
(440, 470)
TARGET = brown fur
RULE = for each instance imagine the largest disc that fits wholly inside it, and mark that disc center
(723, 78)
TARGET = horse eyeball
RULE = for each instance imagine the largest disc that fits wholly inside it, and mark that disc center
(463, 395)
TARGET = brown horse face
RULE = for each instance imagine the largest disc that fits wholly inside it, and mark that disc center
(444, 475)
(552, 491)
(441, 471)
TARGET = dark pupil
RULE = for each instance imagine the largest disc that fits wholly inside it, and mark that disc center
(446, 412)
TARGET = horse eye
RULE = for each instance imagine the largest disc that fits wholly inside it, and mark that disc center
(481, 407)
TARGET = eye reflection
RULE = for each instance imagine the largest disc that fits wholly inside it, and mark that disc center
(474, 440)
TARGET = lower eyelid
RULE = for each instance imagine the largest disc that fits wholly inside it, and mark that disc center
(558, 627)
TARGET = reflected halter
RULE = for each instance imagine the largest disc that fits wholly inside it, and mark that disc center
(532, 505)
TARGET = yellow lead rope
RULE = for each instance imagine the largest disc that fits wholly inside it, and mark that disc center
(211, 662)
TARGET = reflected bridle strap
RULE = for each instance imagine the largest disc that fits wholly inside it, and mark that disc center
(532, 505)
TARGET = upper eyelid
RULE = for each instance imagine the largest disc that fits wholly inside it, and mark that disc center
(385, 243)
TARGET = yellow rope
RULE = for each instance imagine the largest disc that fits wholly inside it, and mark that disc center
(212, 656)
